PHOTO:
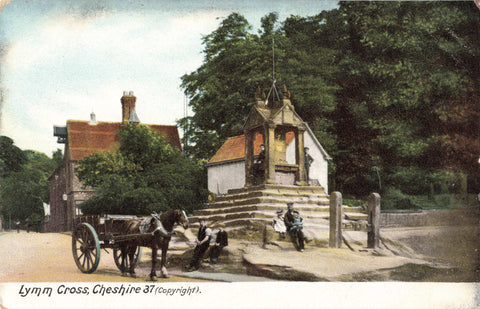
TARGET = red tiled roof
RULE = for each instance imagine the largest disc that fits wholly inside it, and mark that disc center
(85, 139)
(234, 148)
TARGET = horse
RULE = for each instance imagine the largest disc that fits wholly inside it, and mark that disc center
(156, 231)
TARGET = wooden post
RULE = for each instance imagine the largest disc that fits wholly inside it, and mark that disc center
(373, 232)
(336, 214)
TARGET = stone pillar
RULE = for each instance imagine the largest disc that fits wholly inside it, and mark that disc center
(270, 154)
(248, 158)
(373, 233)
(300, 156)
(336, 215)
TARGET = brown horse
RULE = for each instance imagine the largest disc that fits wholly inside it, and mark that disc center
(156, 231)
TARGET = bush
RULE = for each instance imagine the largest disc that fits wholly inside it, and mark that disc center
(396, 199)
(143, 176)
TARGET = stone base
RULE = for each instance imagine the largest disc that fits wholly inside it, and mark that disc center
(246, 211)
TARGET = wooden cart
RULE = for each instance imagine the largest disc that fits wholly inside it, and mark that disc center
(92, 233)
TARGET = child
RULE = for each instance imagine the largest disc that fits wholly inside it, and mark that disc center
(279, 224)
(297, 221)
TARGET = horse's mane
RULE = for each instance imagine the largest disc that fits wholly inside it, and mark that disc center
(146, 224)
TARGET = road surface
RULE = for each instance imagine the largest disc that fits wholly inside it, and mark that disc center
(47, 257)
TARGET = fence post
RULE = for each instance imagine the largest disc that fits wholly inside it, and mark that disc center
(336, 214)
(373, 233)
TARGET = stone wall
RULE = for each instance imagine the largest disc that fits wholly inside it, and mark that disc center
(438, 217)
(56, 222)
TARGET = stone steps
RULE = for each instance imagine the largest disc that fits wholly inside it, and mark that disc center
(269, 207)
(242, 216)
(298, 201)
(271, 193)
(269, 211)
(253, 208)
(279, 188)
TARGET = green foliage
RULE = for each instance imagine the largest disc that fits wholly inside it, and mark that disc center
(93, 169)
(24, 184)
(146, 174)
(406, 73)
(391, 85)
(395, 199)
(222, 89)
(11, 157)
(353, 202)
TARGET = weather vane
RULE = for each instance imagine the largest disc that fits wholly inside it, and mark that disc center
(273, 89)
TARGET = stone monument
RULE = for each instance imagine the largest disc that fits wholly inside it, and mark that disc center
(273, 119)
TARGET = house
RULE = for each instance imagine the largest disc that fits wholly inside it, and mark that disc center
(227, 168)
(81, 139)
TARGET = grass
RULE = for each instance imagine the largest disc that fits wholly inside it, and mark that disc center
(417, 202)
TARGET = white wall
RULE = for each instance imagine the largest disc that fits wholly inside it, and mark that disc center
(223, 177)
(319, 167)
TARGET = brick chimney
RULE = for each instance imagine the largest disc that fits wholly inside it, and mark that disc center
(128, 105)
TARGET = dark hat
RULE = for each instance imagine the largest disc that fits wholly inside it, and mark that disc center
(289, 204)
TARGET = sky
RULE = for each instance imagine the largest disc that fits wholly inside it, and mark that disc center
(64, 59)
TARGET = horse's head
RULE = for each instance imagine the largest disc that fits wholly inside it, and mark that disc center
(181, 218)
(170, 218)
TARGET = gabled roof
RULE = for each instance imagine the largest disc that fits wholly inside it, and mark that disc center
(234, 148)
(85, 139)
(315, 140)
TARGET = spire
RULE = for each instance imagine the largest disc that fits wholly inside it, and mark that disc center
(133, 117)
(273, 90)
(285, 92)
(93, 119)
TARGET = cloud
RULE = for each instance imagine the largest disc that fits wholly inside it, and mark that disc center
(63, 59)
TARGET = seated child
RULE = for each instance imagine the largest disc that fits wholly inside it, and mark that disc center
(297, 221)
(279, 224)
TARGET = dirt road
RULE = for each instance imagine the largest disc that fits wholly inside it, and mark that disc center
(47, 257)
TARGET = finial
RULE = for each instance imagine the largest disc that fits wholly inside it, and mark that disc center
(285, 92)
(93, 119)
(259, 94)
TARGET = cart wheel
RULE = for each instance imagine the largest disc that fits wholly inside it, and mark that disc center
(118, 257)
(85, 248)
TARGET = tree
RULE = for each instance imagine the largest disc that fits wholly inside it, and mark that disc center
(389, 88)
(405, 67)
(11, 157)
(144, 175)
(25, 188)
(237, 62)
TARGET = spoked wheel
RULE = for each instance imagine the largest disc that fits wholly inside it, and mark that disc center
(117, 256)
(85, 248)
